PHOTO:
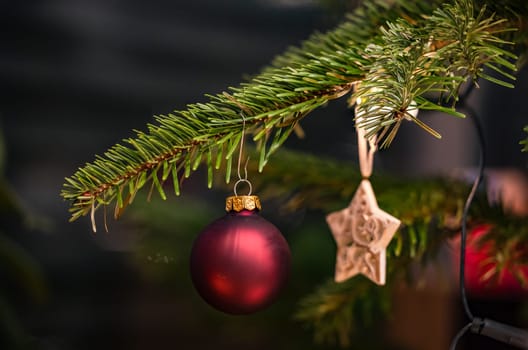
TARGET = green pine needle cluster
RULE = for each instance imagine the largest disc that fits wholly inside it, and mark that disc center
(390, 54)
(409, 64)
(340, 312)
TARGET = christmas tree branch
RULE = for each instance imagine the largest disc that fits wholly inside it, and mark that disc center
(338, 312)
(409, 64)
(403, 61)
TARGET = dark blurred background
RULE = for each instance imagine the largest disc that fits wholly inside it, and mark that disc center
(76, 76)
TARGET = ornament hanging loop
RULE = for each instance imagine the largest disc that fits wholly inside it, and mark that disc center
(366, 146)
(243, 181)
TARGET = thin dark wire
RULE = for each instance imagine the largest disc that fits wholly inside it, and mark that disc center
(463, 236)
(459, 335)
(482, 156)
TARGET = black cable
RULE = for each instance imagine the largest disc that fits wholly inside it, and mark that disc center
(496, 330)
(459, 335)
(463, 235)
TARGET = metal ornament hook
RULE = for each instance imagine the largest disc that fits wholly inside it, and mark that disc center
(240, 152)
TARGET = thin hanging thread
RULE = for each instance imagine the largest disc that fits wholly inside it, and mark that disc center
(240, 153)
(92, 217)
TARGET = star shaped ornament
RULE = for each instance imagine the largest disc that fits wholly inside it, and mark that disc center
(362, 232)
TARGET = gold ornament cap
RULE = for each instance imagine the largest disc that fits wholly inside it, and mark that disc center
(239, 203)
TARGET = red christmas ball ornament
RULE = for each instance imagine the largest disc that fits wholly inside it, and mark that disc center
(240, 262)
(483, 277)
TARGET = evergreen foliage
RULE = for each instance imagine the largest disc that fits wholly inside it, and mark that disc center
(430, 214)
(390, 54)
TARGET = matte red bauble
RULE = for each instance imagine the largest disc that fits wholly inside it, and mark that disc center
(240, 262)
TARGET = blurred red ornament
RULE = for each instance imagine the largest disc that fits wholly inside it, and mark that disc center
(484, 278)
(240, 262)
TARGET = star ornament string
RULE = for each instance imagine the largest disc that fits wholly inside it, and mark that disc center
(362, 231)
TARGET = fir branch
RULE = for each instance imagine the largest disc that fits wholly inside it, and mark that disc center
(271, 106)
(410, 62)
(516, 12)
(396, 64)
(276, 99)
(338, 311)
(474, 41)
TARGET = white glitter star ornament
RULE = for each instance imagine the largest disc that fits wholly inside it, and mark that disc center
(362, 231)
